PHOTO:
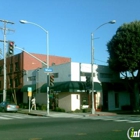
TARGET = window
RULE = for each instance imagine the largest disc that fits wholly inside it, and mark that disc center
(55, 75)
(86, 74)
(1, 70)
(17, 83)
(11, 68)
(11, 83)
(32, 78)
(105, 75)
(16, 66)
(77, 96)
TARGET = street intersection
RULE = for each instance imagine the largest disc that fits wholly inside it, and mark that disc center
(116, 118)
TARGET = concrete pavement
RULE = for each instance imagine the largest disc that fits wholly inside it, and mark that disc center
(63, 114)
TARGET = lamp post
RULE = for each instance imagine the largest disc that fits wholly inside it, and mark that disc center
(47, 46)
(92, 62)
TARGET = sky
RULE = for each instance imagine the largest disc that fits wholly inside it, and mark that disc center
(69, 24)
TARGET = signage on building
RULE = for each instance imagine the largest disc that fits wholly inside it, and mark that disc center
(48, 70)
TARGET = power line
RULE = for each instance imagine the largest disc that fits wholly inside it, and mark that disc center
(4, 54)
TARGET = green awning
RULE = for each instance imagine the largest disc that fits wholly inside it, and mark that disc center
(70, 86)
(25, 88)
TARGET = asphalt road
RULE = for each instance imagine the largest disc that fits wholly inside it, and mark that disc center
(63, 129)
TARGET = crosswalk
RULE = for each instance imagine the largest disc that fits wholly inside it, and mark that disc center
(128, 119)
(10, 116)
(116, 118)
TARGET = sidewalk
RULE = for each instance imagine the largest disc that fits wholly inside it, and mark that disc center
(63, 114)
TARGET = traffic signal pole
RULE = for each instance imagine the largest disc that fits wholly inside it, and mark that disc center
(4, 55)
(4, 65)
(31, 55)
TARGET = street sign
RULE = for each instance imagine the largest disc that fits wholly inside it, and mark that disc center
(29, 89)
(48, 70)
(29, 93)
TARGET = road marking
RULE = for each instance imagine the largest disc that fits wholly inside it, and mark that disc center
(18, 116)
(134, 121)
(4, 118)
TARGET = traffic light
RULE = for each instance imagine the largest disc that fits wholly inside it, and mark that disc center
(11, 48)
(51, 80)
(88, 82)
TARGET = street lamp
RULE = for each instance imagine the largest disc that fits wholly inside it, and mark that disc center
(92, 62)
(47, 44)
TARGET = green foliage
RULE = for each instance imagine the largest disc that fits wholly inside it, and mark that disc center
(43, 107)
(59, 109)
(24, 105)
(124, 57)
(78, 111)
(86, 110)
(124, 48)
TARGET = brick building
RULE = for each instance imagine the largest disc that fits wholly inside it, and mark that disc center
(16, 67)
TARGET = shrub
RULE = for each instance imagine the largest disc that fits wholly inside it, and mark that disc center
(86, 110)
(59, 109)
(43, 107)
(38, 107)
(77, 111)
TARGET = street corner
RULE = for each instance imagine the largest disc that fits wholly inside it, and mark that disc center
(102, 114)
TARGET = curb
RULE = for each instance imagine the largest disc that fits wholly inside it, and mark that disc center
(33, 114)
(103, 114)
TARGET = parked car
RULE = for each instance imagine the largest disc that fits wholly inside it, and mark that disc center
(8, 106)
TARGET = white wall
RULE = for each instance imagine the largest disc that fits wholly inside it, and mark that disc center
(87, 68)
(69, 102)
(75, 102)
(65, 101)
(70, 72)
(75, 71)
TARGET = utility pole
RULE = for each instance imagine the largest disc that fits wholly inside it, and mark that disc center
(4, 56)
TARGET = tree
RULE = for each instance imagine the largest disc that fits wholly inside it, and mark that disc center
(124, 57)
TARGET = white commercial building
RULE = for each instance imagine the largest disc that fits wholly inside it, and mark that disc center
(69, 83)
